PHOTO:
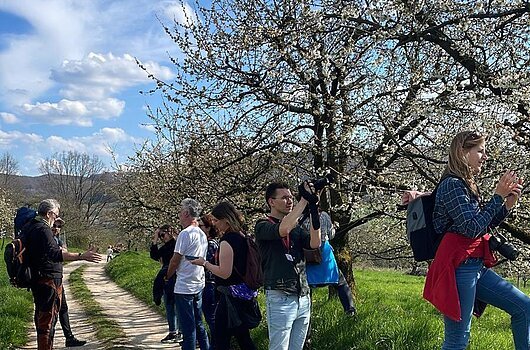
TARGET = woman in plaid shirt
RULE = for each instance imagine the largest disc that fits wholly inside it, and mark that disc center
(460, 282)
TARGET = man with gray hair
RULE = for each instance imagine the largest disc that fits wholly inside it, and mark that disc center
(44, 259)
(191, 244)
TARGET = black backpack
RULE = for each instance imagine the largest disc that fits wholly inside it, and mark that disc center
(423, 239)
(253, 276)
(420, 229)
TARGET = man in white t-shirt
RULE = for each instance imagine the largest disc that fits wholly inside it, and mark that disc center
(191, 244)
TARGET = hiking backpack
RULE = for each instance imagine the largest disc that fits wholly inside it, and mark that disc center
(17, 269)
(14, 253)
(253, 276)
(23, 216)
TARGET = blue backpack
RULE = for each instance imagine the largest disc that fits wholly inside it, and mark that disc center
(23, 216)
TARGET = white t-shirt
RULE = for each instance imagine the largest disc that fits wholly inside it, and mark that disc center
(190, 278)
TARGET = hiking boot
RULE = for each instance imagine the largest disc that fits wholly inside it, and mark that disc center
(71, 342)
(170, 338)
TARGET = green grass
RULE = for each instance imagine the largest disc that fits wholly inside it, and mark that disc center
(107, 331)
(16, 312)
(392, 315)
(391, 311)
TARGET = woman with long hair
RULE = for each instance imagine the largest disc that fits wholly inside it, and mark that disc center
(460, 282)
(236, 299)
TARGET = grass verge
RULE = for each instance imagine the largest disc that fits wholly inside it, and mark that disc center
(392, 315)
(107, 331)
(16, 312)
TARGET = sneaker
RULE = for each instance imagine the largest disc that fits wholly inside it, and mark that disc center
(352, 312)
(71, 342)
(170, 338)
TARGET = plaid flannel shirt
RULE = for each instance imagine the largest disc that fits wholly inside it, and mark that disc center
(457, 210)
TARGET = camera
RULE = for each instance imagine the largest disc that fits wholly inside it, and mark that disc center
(500, 244)
(323, 182)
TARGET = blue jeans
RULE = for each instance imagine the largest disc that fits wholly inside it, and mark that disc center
(171, 313)
(475, 280)
(190, 319)
(287, 319)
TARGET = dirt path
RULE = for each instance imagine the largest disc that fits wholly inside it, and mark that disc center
(143, 327)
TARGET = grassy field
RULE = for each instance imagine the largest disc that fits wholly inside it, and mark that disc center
(16, 312)
(392, 313)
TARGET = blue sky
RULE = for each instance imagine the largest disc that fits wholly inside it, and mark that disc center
(68, 79)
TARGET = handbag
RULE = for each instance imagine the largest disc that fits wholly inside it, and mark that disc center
(313, 256)
(250, 314)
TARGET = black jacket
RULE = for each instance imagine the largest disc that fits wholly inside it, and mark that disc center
(160, 286)
(44, 255)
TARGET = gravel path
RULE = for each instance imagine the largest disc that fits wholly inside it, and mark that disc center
(143, 327)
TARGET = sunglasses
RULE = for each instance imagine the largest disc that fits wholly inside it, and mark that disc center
(473, 135)
(57, 226)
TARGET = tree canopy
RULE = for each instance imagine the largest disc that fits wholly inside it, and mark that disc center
(369, 91)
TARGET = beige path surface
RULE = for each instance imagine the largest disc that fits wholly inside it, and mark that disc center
(81, 329)
(143, 327)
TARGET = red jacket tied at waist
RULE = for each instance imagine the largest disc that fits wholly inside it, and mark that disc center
(440, 285)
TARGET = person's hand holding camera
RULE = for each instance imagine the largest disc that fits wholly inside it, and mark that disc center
(307, 191)
(507, 183)
(514, 196)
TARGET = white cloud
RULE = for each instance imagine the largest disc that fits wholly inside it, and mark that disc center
(97, 143)
(10, 139)
(9, 118)
(183, 14)
(99, 75)
(70, 31)
(148, 127)
(68, 112)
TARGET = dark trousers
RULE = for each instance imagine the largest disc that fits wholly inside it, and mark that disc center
(209, 304)
(47, 294)
(223, 334)
(344, 292)
(64, 318)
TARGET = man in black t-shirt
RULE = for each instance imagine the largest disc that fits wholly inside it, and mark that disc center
(281, 242)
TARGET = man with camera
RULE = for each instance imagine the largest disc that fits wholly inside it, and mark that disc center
(281, 242)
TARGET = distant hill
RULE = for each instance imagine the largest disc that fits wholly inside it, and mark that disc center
(30, 189)
(30, 186)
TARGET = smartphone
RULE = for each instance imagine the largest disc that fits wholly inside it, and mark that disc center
(191, 257)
